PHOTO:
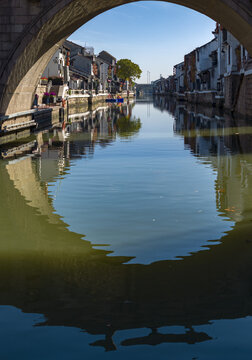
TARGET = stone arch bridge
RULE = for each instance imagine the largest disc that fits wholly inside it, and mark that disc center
(32, 30)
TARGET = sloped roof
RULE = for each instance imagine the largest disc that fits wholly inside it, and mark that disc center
(106, 56)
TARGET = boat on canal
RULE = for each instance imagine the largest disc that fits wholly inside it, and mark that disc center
(121, 100)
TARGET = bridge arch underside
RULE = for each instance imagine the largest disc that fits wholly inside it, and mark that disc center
(47, 24)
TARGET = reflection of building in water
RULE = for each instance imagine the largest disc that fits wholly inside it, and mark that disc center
(74, 139)
(203, 135)
(226, 144)
(234, 186)
(18, 150)
(78, 137)
(164, 104)
(104, 124)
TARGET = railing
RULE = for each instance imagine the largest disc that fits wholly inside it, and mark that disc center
(78, 92)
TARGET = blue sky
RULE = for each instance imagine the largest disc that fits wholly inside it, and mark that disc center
(153, 34)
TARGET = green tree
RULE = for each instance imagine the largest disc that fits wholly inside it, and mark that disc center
(127, 70)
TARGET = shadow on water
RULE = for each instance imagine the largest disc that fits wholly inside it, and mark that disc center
(47, 269)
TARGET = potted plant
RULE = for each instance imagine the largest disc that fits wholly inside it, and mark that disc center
(46, 98)
(52, 98)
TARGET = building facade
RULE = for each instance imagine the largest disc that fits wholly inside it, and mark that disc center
(219, 73)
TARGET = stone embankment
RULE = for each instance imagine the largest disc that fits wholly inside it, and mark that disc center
(15, 126)
(81, 99)
(236, 99)
(11, 126)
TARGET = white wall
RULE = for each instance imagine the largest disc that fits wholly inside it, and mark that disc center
(55, 66)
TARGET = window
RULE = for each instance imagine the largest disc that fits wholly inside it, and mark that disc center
(214, 59)
(224, 35)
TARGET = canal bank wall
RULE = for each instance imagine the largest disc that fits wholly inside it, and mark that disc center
(236, 98)
(80, 100)
(17, 125)
(239, 97)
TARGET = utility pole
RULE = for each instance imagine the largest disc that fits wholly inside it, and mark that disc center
(148, 77)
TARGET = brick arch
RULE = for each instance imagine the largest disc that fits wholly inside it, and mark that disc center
(31, 31)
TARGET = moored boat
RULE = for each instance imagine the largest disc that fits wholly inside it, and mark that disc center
(115, 100)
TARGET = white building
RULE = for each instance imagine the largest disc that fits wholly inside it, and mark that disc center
(232, 56)
(107, 70)
(58, 66)
(227, 55)
(206, 65)
(179, 77)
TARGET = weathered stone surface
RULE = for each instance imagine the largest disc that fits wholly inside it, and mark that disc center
(244, 103)
(35, 28)
(231, 86)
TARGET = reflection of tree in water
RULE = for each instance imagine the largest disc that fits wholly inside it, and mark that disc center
(126, 126)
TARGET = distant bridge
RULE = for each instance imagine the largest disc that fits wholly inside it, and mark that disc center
(145, 89)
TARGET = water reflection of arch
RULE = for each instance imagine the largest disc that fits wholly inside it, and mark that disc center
(45, 268)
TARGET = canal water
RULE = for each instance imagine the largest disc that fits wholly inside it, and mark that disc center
(127, 233)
